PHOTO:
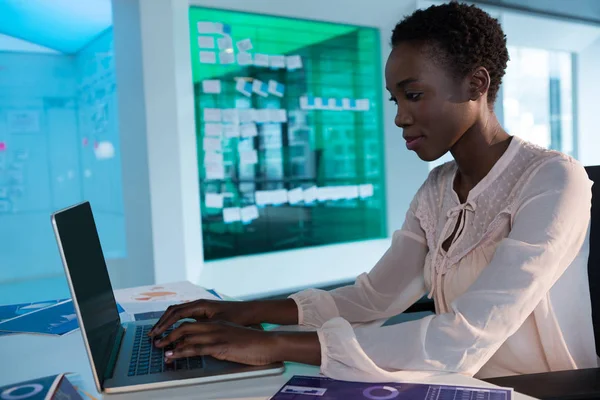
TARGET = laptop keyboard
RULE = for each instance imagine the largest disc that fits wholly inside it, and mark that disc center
(148, 359)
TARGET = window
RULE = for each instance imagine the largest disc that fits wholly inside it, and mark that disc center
(59, 138)
(538, 97)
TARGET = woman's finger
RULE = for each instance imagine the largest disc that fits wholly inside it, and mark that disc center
(171, 316)
(185, 329)
(192, 350)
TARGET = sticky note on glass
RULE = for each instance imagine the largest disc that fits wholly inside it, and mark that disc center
(206, 42)
(212, 114)
(261, 60)
(226, 57)
(263, 116)
(231, 131)
(346, 104)
(295, 196)
(304, 104)
(279, 197)
(245, 144)
(244, 45)
(214, 171)
(211, 144)
(324, 193)
(248, 157)
(211, 157)
(246, 115)
(350, 192)
(276, 88)
(277, 61)
(365, 191)
(318, 103)
(209, 27)
(331, 103)
(260, 88)
(211, 86)
(213, 200)
(225, 43)
(213, 129)
(363, 105)
(249, 213)
(293, 62)
(277, 115)
(244, 58)
(262, 197)
(230, 115)
(231, 215)
(248, 130)
(208, 57)
(244, 87)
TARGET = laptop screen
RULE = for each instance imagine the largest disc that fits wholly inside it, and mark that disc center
(76, 231)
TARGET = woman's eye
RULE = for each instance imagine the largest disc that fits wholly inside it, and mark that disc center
(413, 96)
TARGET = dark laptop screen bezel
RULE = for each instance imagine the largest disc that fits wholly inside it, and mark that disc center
(78, 240)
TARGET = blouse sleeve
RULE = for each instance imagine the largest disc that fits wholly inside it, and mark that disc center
(393, 285)
(549, 228)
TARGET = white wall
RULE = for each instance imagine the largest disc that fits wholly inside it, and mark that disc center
(160, 177)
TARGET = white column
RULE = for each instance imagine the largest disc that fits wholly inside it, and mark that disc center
(154, 82)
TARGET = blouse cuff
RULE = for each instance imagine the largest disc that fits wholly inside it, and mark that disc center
(315, 307)
(343, 358)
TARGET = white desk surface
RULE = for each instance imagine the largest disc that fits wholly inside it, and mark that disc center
(27, 357)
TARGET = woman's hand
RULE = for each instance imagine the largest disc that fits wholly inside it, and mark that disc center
(233, 311)
(221, 340)
(283, 312)
(230, 342)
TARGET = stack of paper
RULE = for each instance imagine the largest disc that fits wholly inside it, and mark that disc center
(157, 298)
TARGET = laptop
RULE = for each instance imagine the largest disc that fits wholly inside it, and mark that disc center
(122, 356)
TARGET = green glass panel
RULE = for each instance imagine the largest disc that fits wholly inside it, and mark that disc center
(313, 148)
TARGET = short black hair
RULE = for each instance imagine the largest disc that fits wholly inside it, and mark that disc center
(463, 36)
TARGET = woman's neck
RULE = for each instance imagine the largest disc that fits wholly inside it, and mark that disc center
(478, 150)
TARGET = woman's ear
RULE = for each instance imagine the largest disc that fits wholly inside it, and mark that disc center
(479, 83)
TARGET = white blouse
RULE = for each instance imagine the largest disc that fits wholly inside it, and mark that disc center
(511, 292)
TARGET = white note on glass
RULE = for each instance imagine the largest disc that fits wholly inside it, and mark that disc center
(365, 191)
(248, 130)
(261, 60)
(262, 197)
(225, 43)
(208, 57)
(249, 213)
(246, 115)
(206, 42)
(214, 171)
(211, 157)
(244, 45)
(310, 194)
(213, 129)
(363, 105)
(295, 196)
(279, 196)
(231, 214)
(226, 57)
(231, 131)
(244, 59)
(248, 157)
(230, 115)
(211, 144)
(293, 62)
(212, 115)
(277, 61)
(213, 200)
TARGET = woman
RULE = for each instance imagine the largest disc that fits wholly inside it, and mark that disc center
(496, 238)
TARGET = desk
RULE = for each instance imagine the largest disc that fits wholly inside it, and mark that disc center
(31, 356)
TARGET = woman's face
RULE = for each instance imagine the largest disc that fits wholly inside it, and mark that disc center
(434, 110)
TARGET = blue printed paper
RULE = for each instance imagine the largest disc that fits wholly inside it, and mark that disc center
(320, 388)
(55, 387)
(56, 319)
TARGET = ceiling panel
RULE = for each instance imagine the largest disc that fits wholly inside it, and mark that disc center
(62, 25)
